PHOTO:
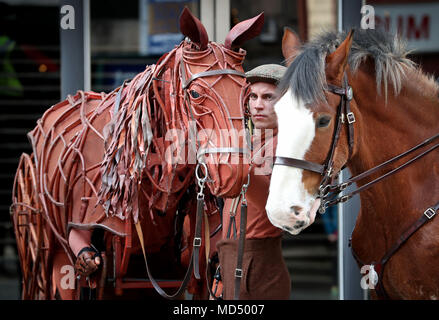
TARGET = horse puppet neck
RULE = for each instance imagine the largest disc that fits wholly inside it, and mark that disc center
(144, 111)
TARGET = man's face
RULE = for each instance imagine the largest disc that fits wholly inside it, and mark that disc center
(261, 103)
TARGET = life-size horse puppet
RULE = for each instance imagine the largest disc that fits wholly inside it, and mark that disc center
(358, 101)
(122, 165)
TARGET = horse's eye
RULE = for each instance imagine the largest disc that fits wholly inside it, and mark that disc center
(194, 94)
(323, 121)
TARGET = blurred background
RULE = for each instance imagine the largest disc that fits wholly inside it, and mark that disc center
(124, 36)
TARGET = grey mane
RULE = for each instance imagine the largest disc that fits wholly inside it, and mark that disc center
(306, 74)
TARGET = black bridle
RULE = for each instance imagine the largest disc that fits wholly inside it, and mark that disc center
(328, 190)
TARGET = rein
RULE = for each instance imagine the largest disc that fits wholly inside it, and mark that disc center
(342, 186)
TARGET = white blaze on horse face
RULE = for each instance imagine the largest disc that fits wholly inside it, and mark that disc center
(289, 205)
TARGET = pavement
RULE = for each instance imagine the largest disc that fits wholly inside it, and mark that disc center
(302, 289)
(9, 290)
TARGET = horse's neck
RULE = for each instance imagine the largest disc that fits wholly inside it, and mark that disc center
(384, 131)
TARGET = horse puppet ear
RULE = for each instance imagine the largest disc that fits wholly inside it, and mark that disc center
(336, 62)
(243, 31)
(290, 45)
(192, 28)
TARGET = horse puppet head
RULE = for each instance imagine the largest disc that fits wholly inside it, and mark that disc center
(211, 89)
(186, 110)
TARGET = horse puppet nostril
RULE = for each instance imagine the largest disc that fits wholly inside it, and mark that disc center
(296, 210)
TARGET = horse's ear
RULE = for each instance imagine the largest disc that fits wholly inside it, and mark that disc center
(192, 28)
(243, 31)
(290, 45)
(336, 62)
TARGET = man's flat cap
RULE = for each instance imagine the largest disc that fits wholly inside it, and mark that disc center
(271, 73)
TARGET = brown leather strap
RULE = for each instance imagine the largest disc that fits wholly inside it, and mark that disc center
(427, 215)
(232, 225)
(330, 158)
(156, 286)
(197, 237)
(336, 89)
(241, 245)
(206, 238)
(392, 160)
(350, 117)
(232, 220)
(343, 186)
(194, 259)
(297, 163)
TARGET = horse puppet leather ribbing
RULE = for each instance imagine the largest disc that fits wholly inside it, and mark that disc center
(113, 160)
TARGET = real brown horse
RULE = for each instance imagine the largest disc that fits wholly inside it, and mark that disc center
(358, 101)
(111, 162)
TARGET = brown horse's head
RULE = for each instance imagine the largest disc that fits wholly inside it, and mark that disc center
(337, 110)
(211, 88)
(307, 118)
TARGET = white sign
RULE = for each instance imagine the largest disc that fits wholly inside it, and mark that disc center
(418, 23)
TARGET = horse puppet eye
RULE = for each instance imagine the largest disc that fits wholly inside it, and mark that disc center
(323, 121)
(195, 94)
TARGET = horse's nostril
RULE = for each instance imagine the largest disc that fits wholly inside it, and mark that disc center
(296, 210)
(299, 224)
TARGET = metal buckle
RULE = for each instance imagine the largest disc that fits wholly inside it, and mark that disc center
(429, 213)
(373, 276)
(323, 191)
(343, 186)
(342, 118)
(351, 117)
(323, 207)
(329, 171)
(349, 93)
(197, 242)
(238, 273)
